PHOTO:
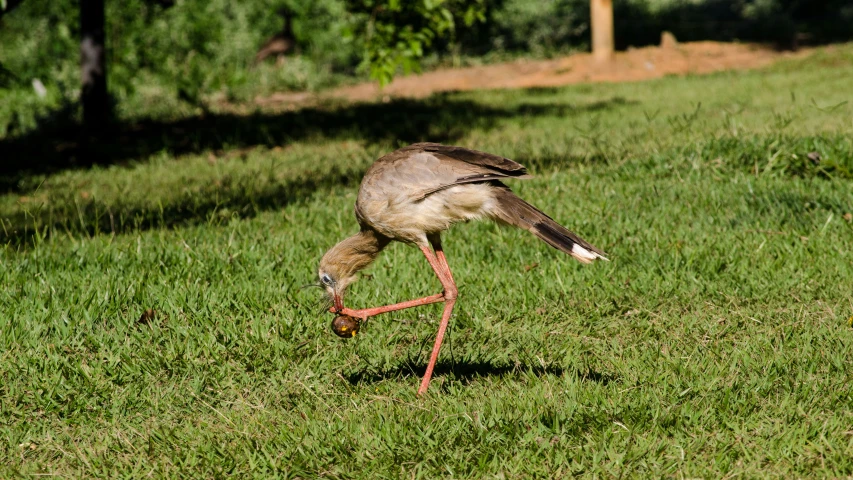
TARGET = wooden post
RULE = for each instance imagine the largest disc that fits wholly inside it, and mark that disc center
(601, 16)
(93, 65)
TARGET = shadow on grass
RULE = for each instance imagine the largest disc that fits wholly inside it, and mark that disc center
(797, 211)
(441, 118)
(466, 372)
(211, 204)
(69, 214)
(59, 144)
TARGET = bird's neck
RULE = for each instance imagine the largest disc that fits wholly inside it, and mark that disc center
(360, 250)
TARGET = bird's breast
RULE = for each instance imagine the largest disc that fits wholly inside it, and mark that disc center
(402, 216)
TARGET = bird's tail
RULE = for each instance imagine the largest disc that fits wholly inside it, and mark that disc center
(515, 211)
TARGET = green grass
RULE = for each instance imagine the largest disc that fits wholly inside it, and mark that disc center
(714, 343)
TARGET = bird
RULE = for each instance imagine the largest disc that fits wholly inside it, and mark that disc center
(414, 194)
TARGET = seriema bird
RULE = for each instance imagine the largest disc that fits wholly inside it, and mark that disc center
(412, 195)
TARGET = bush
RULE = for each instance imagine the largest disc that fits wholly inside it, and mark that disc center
(163, 50)
(538, 28)
(193, 47)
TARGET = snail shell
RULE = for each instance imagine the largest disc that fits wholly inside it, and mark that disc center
(345, 326)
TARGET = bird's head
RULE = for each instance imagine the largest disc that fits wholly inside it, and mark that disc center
(339, 267)
(334, 278)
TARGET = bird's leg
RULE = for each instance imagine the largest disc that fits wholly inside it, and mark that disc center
(442, 260)
(435, 263)
(450, 293)
(364, 313)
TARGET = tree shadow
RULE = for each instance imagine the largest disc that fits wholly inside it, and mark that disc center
(467, 372)
(211, 204)
(59, 144)
(441, 118)
(795, 212)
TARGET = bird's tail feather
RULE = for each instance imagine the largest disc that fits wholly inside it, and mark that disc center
(515, 211)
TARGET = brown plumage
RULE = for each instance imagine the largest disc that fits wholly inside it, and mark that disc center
(412, 195)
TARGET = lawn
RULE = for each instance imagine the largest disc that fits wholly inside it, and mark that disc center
(715, 343)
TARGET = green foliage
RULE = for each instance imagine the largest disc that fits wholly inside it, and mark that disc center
(397, 33)
(7, 78)
(191, 48)
(523, 27)
(201, 52)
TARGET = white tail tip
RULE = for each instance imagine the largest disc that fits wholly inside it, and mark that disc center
(584, 255)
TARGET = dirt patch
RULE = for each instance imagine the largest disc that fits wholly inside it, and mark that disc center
(671, 58)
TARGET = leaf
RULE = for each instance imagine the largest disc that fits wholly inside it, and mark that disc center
(397, 34)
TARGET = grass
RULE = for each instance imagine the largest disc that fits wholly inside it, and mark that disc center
(715, 343)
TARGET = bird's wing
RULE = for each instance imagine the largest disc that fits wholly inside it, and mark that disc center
(458, 165)
(493, 163)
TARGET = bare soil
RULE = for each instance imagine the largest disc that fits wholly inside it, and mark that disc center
(671, 58)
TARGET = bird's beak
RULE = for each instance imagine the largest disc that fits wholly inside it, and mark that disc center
(339, 303)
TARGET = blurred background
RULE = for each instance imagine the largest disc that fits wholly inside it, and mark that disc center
(167, 54)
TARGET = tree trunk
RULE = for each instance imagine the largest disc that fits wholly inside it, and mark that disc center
(601, 14)
(93, 64)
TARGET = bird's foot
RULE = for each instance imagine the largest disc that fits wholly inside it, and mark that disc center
(349, 312)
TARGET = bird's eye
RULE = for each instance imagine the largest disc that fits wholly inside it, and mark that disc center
(326, 279)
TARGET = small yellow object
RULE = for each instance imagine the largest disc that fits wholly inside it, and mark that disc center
(345, 326)
(850, 321)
